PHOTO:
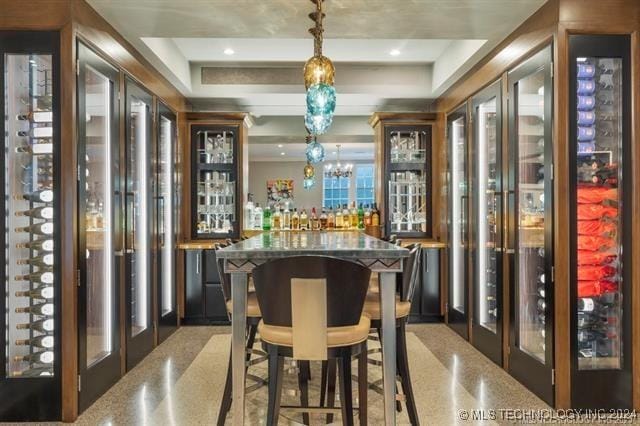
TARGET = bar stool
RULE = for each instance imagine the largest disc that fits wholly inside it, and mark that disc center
(411, 268)
(253, 318)
(312, 311)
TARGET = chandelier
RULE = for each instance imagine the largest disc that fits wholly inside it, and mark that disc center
(319, 75)
(338, 170)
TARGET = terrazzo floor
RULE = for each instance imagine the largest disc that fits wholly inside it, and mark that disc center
(181, 382)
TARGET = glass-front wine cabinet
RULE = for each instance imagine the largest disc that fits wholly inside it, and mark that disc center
(215, 207)
(408, 180)
(600, 209)
(529, 243)
(31, 288)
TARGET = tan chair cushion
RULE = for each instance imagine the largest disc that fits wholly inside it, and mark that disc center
(336, 336)
(253, 309)
(372, 307)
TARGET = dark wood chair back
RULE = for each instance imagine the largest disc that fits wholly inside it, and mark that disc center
(346, 288)
(411, 272)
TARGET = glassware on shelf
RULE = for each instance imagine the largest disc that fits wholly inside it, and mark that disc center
(407, 202)
(216, 147)
(408, 147)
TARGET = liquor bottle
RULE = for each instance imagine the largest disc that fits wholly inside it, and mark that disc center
(331, 219)
(315, 222)
(45, 342)
(44, 292)
(45, 309)
(286, 217)
(37, 132)
(266, 219)
(346, 217)
(43, 326)
(353, 216)
(323, 219)
(375, 216)
(36, 116)
(367, 216)
(40, 277)
(38, 212)
(605, 175)
(360, 217)
(339, 218)
(295, 220)
(258, 217)
(40, 229)
(249, 216)
(36, 149)
(42, 357)
(276, 220)
(34, 372)
(44, 196)
(304, 220)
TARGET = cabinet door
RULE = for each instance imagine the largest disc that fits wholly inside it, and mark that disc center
(600, 209)
(530, 212)
(138, 222)
(194, 297)
(488, 217)
(458, 184)
(99, 210)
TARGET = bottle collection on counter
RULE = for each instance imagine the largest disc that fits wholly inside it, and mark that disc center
(285, 217)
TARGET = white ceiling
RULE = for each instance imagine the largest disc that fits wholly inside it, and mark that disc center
(438, 41)
(296, 151)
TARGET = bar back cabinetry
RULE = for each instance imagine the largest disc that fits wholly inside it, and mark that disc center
(204, 300)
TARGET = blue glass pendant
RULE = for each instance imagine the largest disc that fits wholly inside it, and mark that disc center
(315, 152)
(308, 183)
(321, 99)
(317, 124)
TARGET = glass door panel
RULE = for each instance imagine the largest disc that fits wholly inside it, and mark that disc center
(459, 205)
(166, 219)
(488, 215)
(98, 214)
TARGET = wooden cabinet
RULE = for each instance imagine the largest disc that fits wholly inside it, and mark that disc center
(204, 300)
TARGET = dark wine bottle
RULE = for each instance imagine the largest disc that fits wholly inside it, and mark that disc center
(45, 228)
(45, 277)
(34, 372)
(45, 260)
(36, 149)
(44, 292)
(36, 116)
(38, 212)
(44, 196)
(45, 342)
(43, 325)
(40, 245)
(45, 309)
(42, 357)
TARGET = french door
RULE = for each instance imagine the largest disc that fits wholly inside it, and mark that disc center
(166, 218)
(488, 216)
(99, 236)
(138, 185)
(530, 224)
(458, 300)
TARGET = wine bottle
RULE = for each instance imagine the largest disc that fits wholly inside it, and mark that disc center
(45, 309)
(586, 87)
(375, 216)
(541, 290)
(36, 116)
(586, 134)
(45, 260)
(43, 102)
(34, 372)
(36, 149)
(586, 103)
(314, 221)
(542, 305)
(44, 196)
(41, 277)
(586, 304)
(44, 292)
(295, 220)
(45, 342)
(360, 217)
(43, 326)
(45, 228)
(589, 335)
(38, 212)
(42, 357)
(586, 70)
(586, 118)
(37, 132)
(40, 245)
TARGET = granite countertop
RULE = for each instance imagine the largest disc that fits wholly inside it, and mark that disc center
(338, 244)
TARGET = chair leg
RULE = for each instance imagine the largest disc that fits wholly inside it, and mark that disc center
(331, 387)
(346, 393)
(251, 339)
(303, 384)
(276, 369)
(363, 387)
(225, 404)
(323, 383)
(403, 369)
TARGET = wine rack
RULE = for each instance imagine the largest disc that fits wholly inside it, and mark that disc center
(30, 232)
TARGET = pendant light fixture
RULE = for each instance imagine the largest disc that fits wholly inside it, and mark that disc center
(339, 170)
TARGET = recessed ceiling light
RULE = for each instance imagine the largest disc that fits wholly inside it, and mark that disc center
(282, 153)
(394, 52)
(229, 51)
(279, 145)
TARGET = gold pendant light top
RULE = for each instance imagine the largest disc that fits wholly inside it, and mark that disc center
(309, 171)
(318, 69)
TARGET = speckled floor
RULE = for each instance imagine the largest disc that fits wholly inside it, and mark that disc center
(181, 382)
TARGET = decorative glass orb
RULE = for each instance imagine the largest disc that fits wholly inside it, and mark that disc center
(315, 152)
(317, 124)
(308, 183)
(321, 99)
(319, 69)
(309, 171)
